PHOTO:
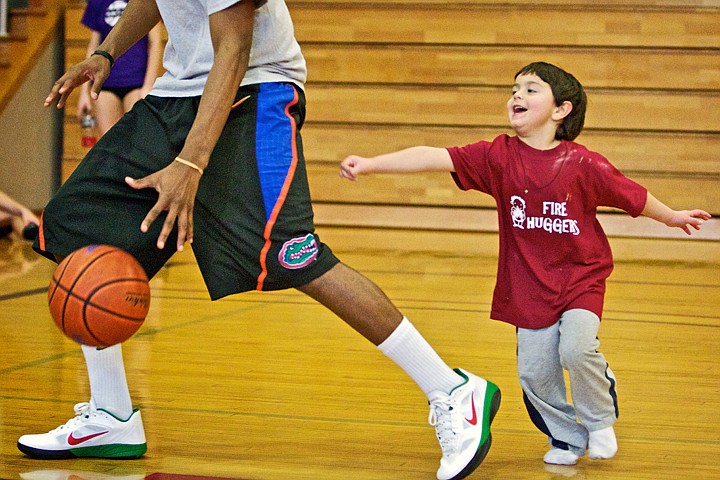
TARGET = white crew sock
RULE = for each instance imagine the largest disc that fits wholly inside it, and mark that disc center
(602, 444)
(407, 348)
(108, 384)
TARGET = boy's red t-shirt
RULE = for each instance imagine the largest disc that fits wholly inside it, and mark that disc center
(554, 255)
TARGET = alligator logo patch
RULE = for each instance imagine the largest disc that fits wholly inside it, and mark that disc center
(298, 252)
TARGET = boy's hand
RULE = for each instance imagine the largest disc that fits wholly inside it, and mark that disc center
(352, 167)
(688, 218)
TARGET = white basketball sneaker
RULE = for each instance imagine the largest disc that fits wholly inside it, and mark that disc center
(462, 422)
(92, 432)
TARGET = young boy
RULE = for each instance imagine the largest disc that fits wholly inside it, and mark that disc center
(554, 257)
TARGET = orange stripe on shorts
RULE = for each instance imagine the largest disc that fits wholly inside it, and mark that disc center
(41, 233)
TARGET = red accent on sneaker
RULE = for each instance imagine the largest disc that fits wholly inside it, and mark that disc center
(77, 441)
(473, 420)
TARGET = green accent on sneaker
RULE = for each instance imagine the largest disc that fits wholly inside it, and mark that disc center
(135, 410)
(117, 451)
(491, 404)
(459, 372)
(490, 408)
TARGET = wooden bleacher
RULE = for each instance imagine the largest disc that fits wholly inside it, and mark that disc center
(31, 29)
(385, 75)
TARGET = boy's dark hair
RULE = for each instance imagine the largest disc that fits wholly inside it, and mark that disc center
(565, 87)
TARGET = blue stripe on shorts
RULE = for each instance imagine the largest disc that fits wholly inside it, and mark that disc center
(274, 140)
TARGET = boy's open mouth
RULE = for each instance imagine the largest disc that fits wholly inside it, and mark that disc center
(519, 109)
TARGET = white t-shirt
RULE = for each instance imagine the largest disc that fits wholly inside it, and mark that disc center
(275, 55)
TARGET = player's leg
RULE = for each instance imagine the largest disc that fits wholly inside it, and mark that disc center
(544, 393)
(592, 383)
(97, 429)
(254, 230)
(96, 206)
(462, 405)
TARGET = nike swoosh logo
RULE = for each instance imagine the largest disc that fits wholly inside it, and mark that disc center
(473, 420)
(77, 441)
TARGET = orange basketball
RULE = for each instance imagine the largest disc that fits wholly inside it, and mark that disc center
(99, 295)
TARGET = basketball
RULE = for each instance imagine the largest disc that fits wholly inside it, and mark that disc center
(99, 295)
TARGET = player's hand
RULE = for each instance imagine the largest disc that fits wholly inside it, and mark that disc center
(95, 68)
(352, 167)
(685, 219)
(177, 186)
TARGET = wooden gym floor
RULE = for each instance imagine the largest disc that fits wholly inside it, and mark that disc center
(273, 386)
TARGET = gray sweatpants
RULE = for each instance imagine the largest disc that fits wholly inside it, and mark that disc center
(542, 355)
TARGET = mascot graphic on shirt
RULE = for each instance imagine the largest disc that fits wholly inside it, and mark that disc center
(517, 211)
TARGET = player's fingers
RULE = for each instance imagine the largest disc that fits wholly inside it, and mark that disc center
(190, 226)
(182, 224)
(150, 218)
(95, 89)
(63, 98)
(50, 99)
(168, 225)
(54, 92)
(140, 183)
(64, 90)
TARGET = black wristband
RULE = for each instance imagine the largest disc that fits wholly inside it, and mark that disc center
(105, 54)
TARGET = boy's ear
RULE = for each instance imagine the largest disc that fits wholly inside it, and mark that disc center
(562, 111)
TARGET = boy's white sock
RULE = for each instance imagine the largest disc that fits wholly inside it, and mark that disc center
(407, 348)
(108, 384)
(602, 444)
(558, 456)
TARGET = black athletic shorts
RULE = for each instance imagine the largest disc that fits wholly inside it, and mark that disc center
(253, 220)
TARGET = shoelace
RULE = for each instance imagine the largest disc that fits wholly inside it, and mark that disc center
(442, 417)
(82, 411)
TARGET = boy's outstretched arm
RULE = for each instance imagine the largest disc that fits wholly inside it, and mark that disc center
(684, 219)
(410, 160)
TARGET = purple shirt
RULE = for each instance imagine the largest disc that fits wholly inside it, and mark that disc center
(129, 68)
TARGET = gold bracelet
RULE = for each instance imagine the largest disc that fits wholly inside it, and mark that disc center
(189, 164)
